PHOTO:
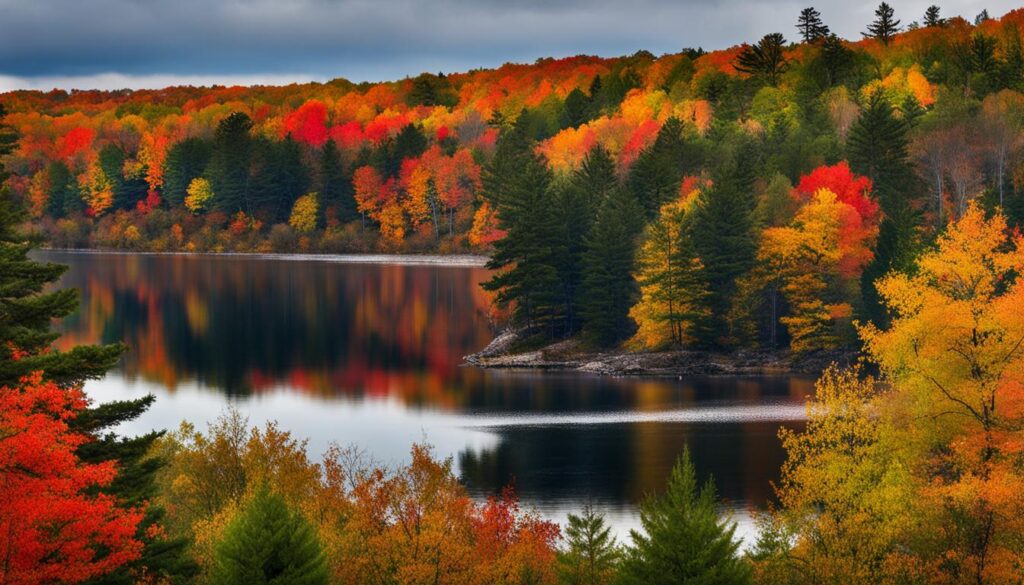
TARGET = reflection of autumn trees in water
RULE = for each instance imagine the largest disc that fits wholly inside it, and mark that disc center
(246, 325)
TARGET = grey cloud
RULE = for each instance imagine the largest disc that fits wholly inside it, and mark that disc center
(75, 40)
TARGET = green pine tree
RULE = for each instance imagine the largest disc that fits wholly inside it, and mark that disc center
(684, 540)
(811, 26)
(723, 235)
(268, 544)
(609, 289)
(657, 173)
(518, 183)
(765, 59)
(186, 160)
(230, 161)
(334, 184)
(885, 26)
(591, 555)
(878, 149)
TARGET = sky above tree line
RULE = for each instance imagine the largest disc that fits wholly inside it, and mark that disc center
(111, 44)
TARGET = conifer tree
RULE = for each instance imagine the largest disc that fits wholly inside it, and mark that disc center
(186, 161)
(517, 182)
(723, 236)
(228, 169)
(884, 27)
(591, 554)
(268, 544)
(811, 26)
(657, 173)
(608, 285)
(333, 184)
(765, 59)
(932, 17)
(877, 148)
(683, 539)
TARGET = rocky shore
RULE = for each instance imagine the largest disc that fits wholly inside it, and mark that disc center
(571, 354)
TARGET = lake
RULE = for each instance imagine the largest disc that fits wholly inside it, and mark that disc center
(370, 354)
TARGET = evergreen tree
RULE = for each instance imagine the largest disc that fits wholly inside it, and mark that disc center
(27, 310)
(723, 235)
(932, 17)
(410, 143)
(268, 544)
(230, 160)
(884, 27)
(877, 148)
(765, 59)
(658, 171)
(577, 204)
(186, 160)
(811, 26)
(609, 289)
(334, 184)
(517, 182)
(575, 109)
(591, 555)
(127, 191)
(684, 540)
(280, 177)
(8, 139)
(63, 198)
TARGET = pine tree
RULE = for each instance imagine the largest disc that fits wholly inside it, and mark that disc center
(333, 184)
(811, 26)
(657, 173)
(723, 236)
(932, 17)
(575, 109)
(591, 554)
(518, 183)
(25, 334)
(684, 540)
(884, 27)
(765, 59)
(186, 160)
(63, 198)
(230, 161)
(268, 544)
(878, 149)
(608, 285)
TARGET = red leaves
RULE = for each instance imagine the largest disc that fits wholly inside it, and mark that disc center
(849, 188)
(74, 142)
(308, 124)
(50, 528)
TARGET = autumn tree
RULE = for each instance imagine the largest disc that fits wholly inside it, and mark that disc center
(884, 27)
(683, 538)
(811, 26)
(765, 59)
(305, 213)
(200, 195)
(955, 352)
(591, 555)
(672, 309)
(269, 543)
(54, 527)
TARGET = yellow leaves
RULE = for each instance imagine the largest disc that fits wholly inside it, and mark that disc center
(199, 194)
(903, 83)
(304, 213)
(99, 191)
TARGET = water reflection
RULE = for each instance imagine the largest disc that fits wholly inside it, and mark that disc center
(371, 354)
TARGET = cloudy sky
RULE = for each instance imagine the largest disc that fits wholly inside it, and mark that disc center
(153, 43)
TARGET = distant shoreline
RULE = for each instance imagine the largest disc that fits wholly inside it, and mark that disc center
(454, 260)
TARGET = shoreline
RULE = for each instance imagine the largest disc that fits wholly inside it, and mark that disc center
(571, 355)
(454, 260)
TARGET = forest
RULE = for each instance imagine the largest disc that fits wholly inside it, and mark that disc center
(814, 195)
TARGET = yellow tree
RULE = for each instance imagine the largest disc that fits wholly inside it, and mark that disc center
(805, 258)
(199, 194)
(955, 352)
(672, 285)
(305, 213)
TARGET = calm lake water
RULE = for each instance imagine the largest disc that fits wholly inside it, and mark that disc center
(370, 354)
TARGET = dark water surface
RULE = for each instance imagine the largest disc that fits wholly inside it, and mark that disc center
(370, 354)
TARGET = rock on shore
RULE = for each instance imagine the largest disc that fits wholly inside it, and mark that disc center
(570, 354)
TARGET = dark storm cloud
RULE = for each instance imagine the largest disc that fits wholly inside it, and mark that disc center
(73, 41)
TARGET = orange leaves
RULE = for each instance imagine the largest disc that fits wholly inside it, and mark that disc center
(50, 527)
(74, 142)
